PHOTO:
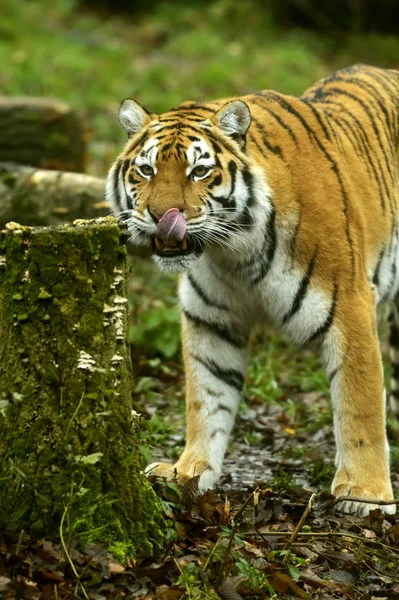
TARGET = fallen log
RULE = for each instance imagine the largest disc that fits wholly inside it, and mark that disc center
(42, 132)
(34, 197)
(69, 447)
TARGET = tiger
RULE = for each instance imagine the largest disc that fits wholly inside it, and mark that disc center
(284, 210)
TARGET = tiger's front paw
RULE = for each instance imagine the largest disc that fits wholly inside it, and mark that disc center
(362, 509)
(207, 476)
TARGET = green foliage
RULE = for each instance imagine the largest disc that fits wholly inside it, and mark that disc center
(195, 586)
(321, 473)
(158, 330)
(252, 576)
(154, 315)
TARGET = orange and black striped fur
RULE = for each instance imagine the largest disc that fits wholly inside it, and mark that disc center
(282, 209)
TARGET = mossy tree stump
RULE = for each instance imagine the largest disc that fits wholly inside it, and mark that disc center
(68, 437)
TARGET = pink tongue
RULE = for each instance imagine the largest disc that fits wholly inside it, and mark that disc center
(172, 227)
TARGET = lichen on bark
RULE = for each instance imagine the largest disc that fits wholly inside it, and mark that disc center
(68, 437)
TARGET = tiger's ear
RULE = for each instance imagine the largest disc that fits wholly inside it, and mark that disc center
(133, 117)
(233, 119)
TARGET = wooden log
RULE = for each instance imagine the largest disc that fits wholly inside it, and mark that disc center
(69, 456)
(34, 197)
(42, 132)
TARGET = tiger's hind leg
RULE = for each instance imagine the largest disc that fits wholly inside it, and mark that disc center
(351, 350)
(394, 352)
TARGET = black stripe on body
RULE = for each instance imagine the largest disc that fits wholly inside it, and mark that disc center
(164, 149)
(212, 393)
(232, 168)
(217, 431)
(291, 110)
(228, 145)
(352, 139)
(175, 120)
(375, 94)
(271, 237)
(204, 297)
(317, 115)
(334, 373)
(302, 290)
(336, 135)
(216, 148)
(191, 107)
(215, 182)
(230, 377)
(393, 93)
(222, 408)
(391, 283)
(257, 260)
(125, 167)
(132, 180)
(364, 141)
(362, 138)
(267, 109)
(366, 109)
(177, 126)
(225, 201)
(384, 76)
(136, 141)
(248, 180)
(252, 136)
(115, 186)
(223, 333)
(323, 329)
(261, 130)
(376, 274)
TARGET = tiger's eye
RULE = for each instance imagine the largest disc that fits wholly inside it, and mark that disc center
(200, 171)
(147, 170)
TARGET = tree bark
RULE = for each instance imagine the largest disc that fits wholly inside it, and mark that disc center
(69, 445)
(34, 197)
(42, 132)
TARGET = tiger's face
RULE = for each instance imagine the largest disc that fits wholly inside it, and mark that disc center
(183, 183)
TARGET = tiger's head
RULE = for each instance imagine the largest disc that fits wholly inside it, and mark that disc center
(183, 182)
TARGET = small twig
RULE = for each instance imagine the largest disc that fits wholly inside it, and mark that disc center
(67, 553)
(211, 553)
(75, 413)
(184, 579)
(301, 522)
(261, 535)
(233, 530)
(312, 534)
(20, 540)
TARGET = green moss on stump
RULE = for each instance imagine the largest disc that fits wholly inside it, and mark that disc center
(68, 441)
